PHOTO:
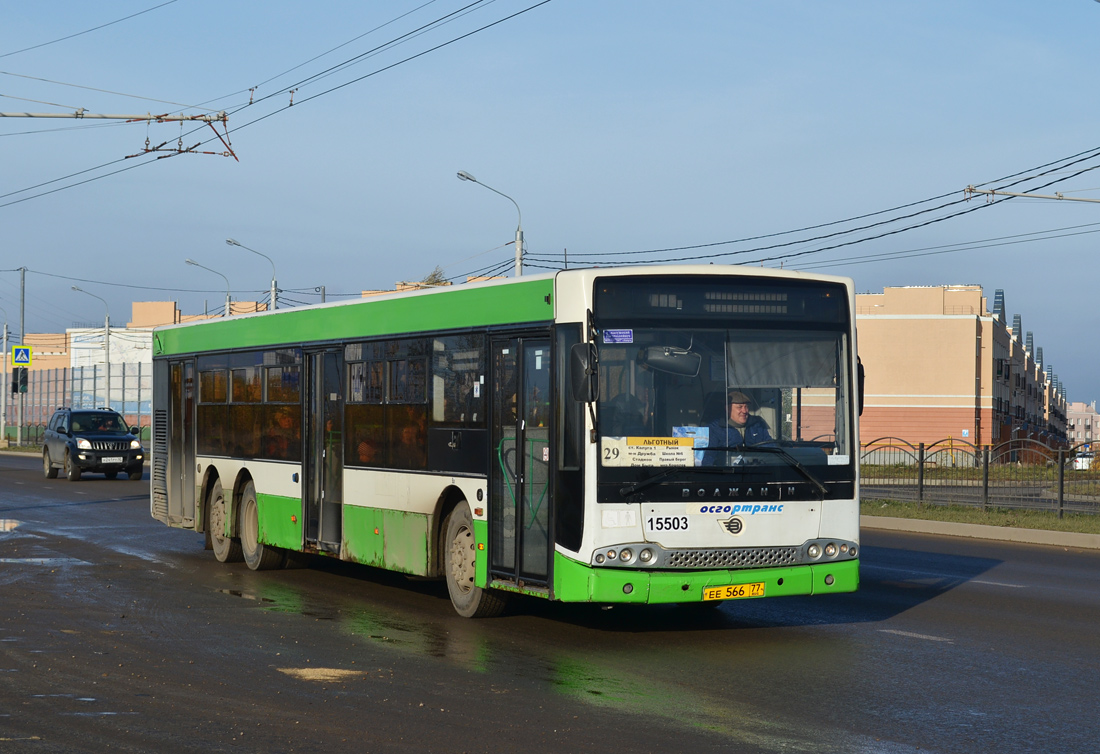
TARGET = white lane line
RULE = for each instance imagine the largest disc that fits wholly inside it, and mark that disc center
(935, 575)
(912, 635)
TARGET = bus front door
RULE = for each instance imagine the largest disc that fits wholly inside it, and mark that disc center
(324, 456)
(519, 512)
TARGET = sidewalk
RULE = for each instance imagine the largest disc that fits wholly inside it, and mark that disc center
(978, 531)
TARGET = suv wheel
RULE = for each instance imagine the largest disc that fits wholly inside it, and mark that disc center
(72, 471)
(47, 465)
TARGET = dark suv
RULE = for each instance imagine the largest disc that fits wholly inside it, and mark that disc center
(95, 440)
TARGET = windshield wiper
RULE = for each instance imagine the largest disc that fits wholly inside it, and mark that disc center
(791, 460)
(649, 481)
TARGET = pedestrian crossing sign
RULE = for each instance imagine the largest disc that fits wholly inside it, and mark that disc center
(21, 356)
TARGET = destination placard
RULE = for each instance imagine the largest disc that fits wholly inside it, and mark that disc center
(647, 451)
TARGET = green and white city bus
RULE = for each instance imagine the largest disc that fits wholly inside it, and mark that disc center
(568, 436)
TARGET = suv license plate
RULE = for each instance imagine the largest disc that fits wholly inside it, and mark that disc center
(111, 459)
(733, 591)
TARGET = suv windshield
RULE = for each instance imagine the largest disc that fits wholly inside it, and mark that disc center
(101, 422)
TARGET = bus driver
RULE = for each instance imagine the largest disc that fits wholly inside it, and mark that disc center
(737, 428)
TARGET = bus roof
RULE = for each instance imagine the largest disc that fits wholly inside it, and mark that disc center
(528, 299)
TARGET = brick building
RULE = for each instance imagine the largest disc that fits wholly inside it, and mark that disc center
(941, 365)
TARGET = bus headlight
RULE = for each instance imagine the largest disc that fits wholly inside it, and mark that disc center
(814, 551)
(830, 550)
(626, 554)
(645, 556)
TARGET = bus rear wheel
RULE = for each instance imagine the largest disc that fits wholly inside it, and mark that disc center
(459, 568)
(257, 555)
(226, 549)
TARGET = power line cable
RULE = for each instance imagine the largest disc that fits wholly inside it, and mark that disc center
(1028, 175)
(87, 31)
(275, 112)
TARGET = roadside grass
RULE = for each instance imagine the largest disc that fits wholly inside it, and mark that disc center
(1082, 523)
(30, 449)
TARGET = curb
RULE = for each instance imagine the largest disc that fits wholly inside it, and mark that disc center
(981, 531)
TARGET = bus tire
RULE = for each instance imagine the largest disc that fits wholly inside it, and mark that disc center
(226, 549)
(257, 555)
(47, 465)
(459, 568)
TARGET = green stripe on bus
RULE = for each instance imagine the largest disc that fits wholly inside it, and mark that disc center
(391, 539)
(451, 308)
(280, 520)
(578, 582)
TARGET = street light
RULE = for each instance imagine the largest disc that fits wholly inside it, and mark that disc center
(5, 391)
(274, 288)
(228, 300)
(464, 176)
(106, 338)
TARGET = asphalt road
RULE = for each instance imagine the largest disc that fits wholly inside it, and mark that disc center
(120, 634)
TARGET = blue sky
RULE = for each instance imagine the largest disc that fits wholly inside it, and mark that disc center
(617, 126)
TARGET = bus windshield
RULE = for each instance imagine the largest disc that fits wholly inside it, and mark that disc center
(757, 383)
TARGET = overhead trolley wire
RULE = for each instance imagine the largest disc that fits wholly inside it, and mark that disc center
(1021, 177)
(147, 161)
(87, 31)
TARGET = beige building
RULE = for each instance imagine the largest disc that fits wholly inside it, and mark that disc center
(82, 346)
(941, 366)
(1083, 423)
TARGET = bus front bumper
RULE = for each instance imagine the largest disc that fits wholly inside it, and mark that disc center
(580, 582)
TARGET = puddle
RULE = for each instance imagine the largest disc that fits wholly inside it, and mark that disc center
(45, 561)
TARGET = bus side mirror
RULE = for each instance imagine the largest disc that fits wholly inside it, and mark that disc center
(859, 379)
(583, 379)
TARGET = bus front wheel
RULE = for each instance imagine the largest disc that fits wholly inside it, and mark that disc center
(257, 555)
(459, 568)
(226, 548)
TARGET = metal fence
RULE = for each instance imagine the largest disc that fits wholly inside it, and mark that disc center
(129, 390)
(1024, 474)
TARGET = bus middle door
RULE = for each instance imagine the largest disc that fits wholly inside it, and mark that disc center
(324, 446)
(519, 514)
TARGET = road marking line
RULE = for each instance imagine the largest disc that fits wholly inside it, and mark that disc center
(912, 635)
(998, 583)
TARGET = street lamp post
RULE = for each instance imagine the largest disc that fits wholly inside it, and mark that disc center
(4, 394)
(274, 287)
(228, 299)
(464, 176)
(106, 339)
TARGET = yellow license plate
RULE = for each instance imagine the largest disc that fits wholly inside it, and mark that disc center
(733, 591)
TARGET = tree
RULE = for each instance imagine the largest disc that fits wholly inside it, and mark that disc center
(435, 277)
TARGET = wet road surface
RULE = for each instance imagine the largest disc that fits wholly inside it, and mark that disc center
(120, 634)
